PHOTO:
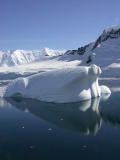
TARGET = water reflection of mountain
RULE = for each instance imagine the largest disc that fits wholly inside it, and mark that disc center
(85, 117)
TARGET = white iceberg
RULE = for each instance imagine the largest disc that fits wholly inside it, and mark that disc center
(71, 84)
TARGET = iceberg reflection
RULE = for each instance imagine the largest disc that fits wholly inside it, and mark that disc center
(85, 117)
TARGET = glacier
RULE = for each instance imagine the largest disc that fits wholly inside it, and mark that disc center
(63, 85)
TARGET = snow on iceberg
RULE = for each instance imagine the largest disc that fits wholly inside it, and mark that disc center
(60, 85)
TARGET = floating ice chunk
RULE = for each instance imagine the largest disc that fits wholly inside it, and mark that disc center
(61, 85)
(105, 90)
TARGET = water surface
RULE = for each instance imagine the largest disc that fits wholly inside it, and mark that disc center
(30, 129)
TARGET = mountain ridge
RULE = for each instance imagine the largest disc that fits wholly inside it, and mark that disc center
(109, 33)
(18, 57)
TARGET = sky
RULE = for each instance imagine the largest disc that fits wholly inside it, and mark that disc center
(57, 24)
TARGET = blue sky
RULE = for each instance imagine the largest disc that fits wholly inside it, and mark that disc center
(60, 24)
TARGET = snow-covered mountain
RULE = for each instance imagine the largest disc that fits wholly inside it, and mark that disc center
(106, 48)
(17, 57)
(106, 51)
(109, 33)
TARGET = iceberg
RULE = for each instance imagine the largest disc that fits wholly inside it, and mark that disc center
(70, 84)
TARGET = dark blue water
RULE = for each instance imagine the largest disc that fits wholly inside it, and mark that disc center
(34, 130)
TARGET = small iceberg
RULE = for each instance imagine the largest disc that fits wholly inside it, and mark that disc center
(72, 84)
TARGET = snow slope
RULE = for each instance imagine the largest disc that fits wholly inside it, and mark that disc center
(106, 49)
(18, 57)
(107, 53)
(70, 84)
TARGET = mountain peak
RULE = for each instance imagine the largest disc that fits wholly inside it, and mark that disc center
(112, 28)
(19, 56)
(109, 33)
